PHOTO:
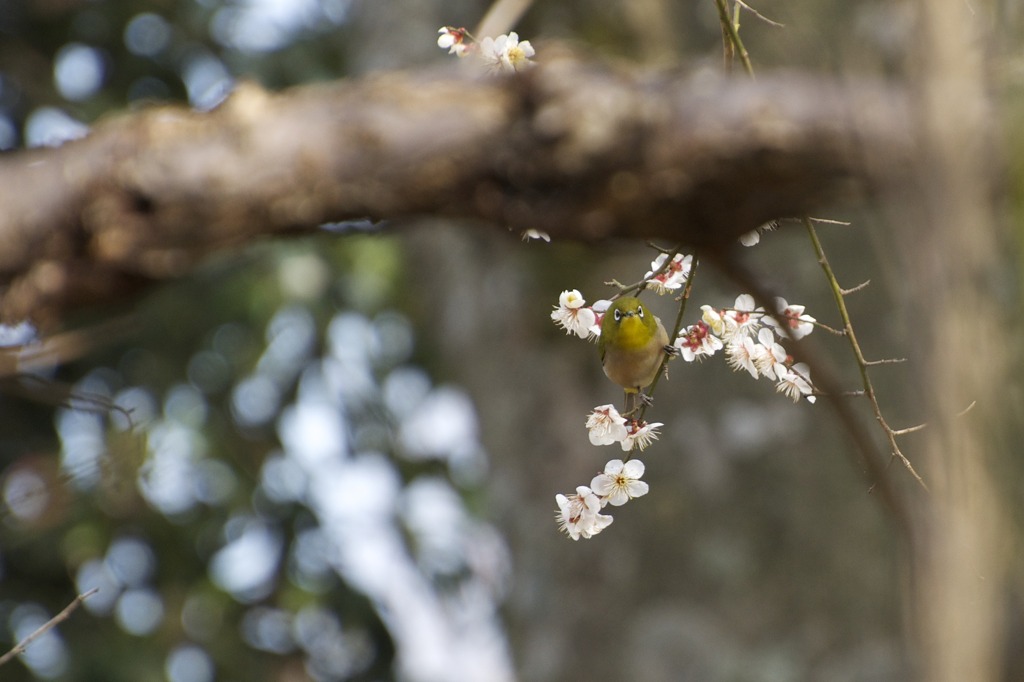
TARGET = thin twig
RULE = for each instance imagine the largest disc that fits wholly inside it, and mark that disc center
(909, 429)
(760, 314)
(862, 364)
(825, 384)
(829, 221)
(759, 15)
(642, 284)
(731, 30)
(884, 361)
(877, 472)
(21, 646)
(662, 249)
(502, 16)
(894, 503)
(853, 290)
(830, 330)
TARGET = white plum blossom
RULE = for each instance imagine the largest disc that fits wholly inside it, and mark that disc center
(452, 39)
(795, 382)
(572, 315)
(753, 237)
(506, 53)
(673, 277)
(742, 353)
(620, 482)
(606, 426)
(719, 325)
(744, 316)
(640, 436)
(578, 515)
(696, 341)
(791, 322)
(772, 355)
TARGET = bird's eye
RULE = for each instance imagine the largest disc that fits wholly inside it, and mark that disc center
(618, 315)
(640, 311)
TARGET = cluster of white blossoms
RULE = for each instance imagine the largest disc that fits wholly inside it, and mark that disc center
(504, 53)
(579, 515)
(748, 336)
(749, 339)
(607, 427)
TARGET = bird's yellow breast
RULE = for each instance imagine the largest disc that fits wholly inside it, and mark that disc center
(633, 335)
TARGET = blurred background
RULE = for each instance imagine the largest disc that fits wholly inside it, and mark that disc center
(335, 458)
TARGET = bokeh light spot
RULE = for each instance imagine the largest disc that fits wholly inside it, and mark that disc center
(131, 561)
(147, 34)
(96, 574)
(25, 493)
(268, 629)
(78, 71)
(139, 612)
(189, 663)
(255, 401)
(246, 566)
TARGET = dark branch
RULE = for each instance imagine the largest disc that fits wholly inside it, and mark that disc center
(578, 150)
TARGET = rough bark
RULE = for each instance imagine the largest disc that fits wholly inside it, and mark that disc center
(579, 150)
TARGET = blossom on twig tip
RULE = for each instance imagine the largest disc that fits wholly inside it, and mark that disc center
(606, 425)
(453, 39)
(578, 515)
(620, 482)
(572, 315)
(641, 434)
(506, 53)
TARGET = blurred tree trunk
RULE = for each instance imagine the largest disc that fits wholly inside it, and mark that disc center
(955, 258)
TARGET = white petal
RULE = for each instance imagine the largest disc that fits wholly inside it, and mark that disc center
(744, 302)
(602, 484)
(617, 498)
(636, 489)
(634, 468)
(614, 466)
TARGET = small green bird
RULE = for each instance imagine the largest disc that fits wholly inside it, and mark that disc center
(633, 344)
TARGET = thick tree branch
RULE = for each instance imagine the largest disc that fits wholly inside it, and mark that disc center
(577, 150)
